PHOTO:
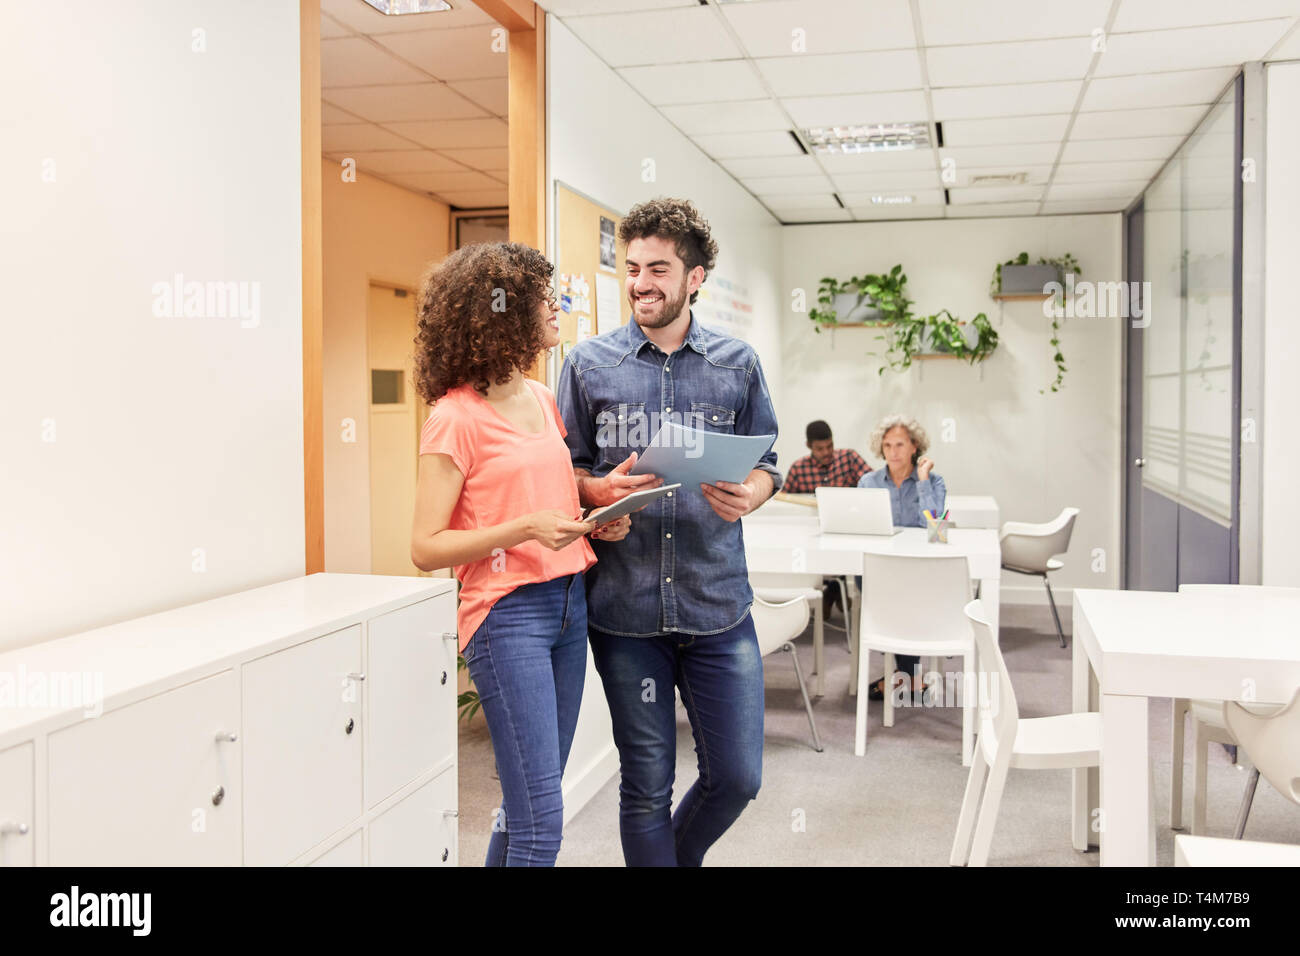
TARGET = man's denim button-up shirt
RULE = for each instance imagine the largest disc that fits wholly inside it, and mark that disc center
(681, 569)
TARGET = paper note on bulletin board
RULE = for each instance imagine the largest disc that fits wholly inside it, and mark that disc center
(609, 314)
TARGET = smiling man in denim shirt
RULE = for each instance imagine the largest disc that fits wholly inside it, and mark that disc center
(669, 605)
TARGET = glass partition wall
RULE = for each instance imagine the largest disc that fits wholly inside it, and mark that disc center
(1190, 244)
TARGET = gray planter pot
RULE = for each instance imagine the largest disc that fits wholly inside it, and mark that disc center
(854, 309)
(1027, 280)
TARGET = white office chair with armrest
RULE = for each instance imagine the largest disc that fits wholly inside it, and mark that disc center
(913, 605)
(1273, 742)
(777, 625)
(1209, 726)
(1007, 740)
(1031, 549)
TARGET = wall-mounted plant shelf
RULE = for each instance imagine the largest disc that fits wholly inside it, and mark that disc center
(1022, 296)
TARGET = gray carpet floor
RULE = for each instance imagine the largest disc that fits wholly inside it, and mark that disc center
(898, 805)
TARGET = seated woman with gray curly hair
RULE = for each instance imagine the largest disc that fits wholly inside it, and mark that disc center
(914, 488)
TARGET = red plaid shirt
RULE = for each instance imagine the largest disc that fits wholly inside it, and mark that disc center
(845, 469)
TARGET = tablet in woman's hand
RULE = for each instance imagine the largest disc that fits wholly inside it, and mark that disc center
(625, 506)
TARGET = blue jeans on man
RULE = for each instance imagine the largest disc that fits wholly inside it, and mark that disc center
(720, 677)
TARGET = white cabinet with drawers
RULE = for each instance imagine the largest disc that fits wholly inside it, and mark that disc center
(17, 803)
(307, 722)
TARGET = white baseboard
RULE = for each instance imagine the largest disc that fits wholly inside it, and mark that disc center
(580, 787)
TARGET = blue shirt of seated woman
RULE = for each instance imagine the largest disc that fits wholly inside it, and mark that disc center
(913, 487)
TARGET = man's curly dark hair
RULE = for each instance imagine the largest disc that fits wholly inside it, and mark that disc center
(679, 221)
(478, 317)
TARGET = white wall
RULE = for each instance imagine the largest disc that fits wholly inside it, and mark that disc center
(602, 132)
(1036, 453)
(129, 439)
(1281, 452)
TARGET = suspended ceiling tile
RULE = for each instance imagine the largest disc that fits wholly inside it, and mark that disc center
(1179, 88)
(951, 22)
(1029, 61)
(678, 35)
(491, 94)
(1017, 99)
(1190, 49)
(465, 53)
(401, 102)
(783, 27)
(744, 145)
(710, 81)
(838, 73)
(858, 108)
(352, 61)
(746, 116)
(454, 134)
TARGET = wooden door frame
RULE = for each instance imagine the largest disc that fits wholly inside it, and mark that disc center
(313, 296)
(526, 115)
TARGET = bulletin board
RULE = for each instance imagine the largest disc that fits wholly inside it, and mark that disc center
(589, 270)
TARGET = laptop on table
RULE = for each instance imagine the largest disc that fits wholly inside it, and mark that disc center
(856, 511)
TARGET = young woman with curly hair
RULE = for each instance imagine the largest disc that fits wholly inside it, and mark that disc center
(498, 501)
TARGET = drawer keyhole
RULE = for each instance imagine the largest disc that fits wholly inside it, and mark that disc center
(351, 725)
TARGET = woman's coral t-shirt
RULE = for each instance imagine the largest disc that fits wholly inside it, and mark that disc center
(508, 473)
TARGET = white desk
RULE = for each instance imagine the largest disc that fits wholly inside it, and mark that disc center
(794, 544)
(1141, 644)
(1216, 851)
(973, 511)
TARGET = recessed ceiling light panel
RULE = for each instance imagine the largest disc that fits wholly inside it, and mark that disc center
(868, 137)
(894, 200)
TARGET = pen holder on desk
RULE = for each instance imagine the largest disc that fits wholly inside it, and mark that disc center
(936, 530)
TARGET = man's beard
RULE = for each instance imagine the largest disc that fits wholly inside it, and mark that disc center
(668, 313)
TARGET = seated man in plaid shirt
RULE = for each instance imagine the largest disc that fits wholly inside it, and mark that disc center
(827, 466)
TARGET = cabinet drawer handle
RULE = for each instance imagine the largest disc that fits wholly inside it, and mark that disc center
(348, 727)
(451, 813)
(218, 795)
(226, 736)
(357, 677)
(444, 677)
(450, 636)
(19, 829)
(445, 854)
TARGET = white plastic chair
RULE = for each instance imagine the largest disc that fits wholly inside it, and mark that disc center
(1006, 740)
(913, 605)
(1273, 742)
(779, 588)
(1031, 549)
(777, 625)
(1208, 726)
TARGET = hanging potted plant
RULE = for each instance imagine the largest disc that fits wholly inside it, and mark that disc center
(861, 300)
(1017, 277)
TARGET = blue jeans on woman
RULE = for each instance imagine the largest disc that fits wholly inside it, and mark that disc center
(720, 677)
(529, 661)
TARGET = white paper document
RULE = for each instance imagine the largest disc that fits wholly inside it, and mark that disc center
(692, 456)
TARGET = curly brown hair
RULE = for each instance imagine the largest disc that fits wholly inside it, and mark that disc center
(679, 221)
(478, 317)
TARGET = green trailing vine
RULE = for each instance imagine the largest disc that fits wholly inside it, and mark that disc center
(1064, 264)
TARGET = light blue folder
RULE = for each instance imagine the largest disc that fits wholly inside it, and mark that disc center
(693, 457)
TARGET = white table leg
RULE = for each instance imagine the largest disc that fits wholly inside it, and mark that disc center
(990, 599)
(819, 663)
(1080, 812)
(1128, 835)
